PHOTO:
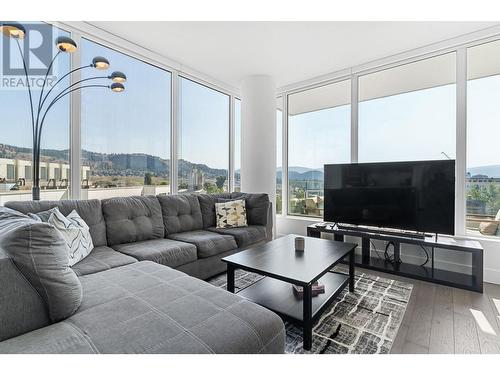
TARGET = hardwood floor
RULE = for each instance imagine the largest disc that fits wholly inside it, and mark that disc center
(444, 320)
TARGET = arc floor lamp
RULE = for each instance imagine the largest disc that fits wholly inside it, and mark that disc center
(39, 111)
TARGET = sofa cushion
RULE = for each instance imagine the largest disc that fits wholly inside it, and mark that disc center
(149, 308)
(100, 259)
(89, 210)
(207, 206)
(208, 243)
(132, 219)
(41, 255)
(21, 307)
(181, 213)
(257, 206)
(245, 236)
(163, 251)
(59, 338)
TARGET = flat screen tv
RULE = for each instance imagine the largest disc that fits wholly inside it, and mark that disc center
(415, 196)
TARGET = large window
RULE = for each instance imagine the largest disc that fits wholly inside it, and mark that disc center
(125, 136)
(318, 134)
(408, 112)
(16, 133)
(203, 145)
(483, 139)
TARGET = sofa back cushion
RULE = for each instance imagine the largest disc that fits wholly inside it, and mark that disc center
(207, 206)
(257, 206)
(89, 210)
(181, 213)
(132, 219)
(40, 254)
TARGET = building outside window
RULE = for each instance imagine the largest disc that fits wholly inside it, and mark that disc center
(483, 136)
(203, 143)
(318, 133)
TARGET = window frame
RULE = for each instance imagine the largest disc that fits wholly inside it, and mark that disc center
(353, 73)
(80, 30)
(230, 130)
(287, 100)
(458, 45)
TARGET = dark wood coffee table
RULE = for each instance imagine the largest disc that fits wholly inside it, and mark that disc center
(284, 266)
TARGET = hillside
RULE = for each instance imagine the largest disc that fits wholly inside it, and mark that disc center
(115, 164)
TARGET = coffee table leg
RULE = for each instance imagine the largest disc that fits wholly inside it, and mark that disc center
(307, 318)
(351, 271)
(230, 278)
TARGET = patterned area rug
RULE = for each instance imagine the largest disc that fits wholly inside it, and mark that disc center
(364, 322)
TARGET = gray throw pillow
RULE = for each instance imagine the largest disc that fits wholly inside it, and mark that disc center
(43, 215)
(41, 255)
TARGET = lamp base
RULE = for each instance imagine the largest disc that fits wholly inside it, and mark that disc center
(35, 191)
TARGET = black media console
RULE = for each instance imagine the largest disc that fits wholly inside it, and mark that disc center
(470, 281)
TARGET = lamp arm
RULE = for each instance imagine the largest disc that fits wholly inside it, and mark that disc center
(76, 83)
(29, 86)
(59, 97)
(33, 128)
(43, 86)
(59, 80)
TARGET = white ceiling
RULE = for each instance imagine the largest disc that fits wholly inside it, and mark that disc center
(288, 51)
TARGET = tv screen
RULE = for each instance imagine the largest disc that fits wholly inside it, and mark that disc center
(416, 196)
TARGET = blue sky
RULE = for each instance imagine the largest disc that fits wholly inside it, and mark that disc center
(411, 126)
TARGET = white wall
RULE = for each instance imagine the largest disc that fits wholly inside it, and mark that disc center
(447, 260)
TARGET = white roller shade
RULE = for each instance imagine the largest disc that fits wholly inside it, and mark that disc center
(420, 75)
(329, 96)
(483, 60)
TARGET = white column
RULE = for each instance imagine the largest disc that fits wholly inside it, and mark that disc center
(258, 136)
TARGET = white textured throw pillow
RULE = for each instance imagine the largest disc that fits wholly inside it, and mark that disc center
(232, 214)
(75, 232)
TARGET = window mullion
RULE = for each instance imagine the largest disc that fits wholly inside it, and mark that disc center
(354, 118)
(174, 132)
(232, 146)
(75, 140)
(461, 141)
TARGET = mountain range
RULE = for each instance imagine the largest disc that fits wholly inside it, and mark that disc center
(104, 164)
(139, 163)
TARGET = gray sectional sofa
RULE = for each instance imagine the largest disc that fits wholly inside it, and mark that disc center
(135, 292)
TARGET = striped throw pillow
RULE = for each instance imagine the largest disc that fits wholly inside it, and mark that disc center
(75, 232)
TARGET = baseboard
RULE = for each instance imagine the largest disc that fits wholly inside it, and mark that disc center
(492, 276)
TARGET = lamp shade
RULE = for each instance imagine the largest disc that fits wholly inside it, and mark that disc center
(100, 63)
(117, 87)
(13, 30)
(118, 77)
(66, 44)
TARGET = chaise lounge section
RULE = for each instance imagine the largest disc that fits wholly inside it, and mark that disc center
(136, 294)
